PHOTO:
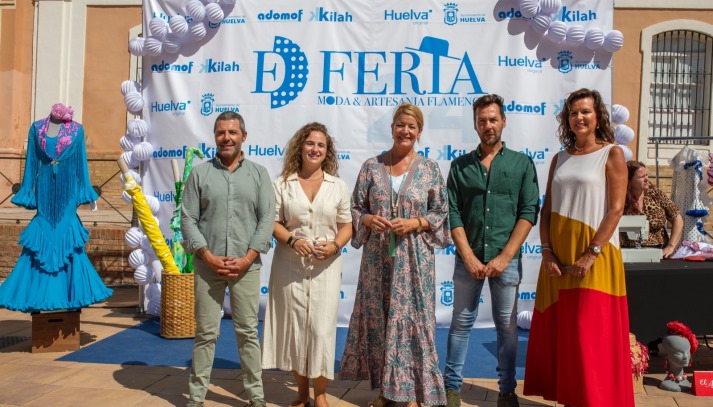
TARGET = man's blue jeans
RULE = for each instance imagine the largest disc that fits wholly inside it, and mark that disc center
(466, 297)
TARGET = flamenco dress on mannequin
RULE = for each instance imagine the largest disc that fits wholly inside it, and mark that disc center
(53, 271)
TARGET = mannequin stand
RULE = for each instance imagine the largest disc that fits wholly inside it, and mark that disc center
(55, 331)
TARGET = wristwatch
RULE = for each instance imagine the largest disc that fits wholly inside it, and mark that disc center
(420, 226)
(595, 249)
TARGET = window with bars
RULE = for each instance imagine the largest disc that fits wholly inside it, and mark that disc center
(680, 94)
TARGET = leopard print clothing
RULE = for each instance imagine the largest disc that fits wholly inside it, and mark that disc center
(659, 210)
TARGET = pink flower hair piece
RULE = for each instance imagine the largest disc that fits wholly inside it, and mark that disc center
(62, 112)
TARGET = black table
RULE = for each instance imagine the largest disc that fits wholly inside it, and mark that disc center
(672, 290)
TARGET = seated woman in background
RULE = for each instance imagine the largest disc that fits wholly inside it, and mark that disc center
(642, 198)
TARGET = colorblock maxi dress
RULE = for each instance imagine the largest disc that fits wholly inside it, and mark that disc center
(300, 331)
(391, 339)
(53, 271)
(578, 350)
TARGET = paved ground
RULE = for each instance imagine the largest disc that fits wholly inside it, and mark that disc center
(36, 379)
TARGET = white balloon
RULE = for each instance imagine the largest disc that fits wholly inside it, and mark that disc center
(171, 45)
(128, 86)
(136, 46)
(137, 258)
(179, 26)
(196, 10)
(529, 8)
(619, 114)
(153, 295)
(540, 23)
(550, 6)
(557, 32)
(575, 35)
(142, 151)
(627, 152)
(141, 274)
(146, 245)
(128, 142)
(158, 28)
(154, 204)
(153, 307)
(137, 128)
(156, 266)
(133, 237)
(126, 197)
(198, 31)
(214, 13)
(134, 102)
(127, 156)
(623, 134)
(524, 319)
(613, 41)
(135, 175)
(153, 46)
(594, 38)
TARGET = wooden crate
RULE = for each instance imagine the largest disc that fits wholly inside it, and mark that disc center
(55, 331)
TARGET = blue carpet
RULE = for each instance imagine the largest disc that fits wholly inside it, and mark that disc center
(143, 345)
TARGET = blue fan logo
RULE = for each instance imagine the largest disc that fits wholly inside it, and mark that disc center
(295, 77)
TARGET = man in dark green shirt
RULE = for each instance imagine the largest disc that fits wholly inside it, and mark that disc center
(227, 219)
(493, 198)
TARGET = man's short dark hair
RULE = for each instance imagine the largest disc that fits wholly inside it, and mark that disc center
(230, 115)
(487, 100)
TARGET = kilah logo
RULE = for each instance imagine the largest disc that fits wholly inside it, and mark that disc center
(207, 104)
(564, 59)
(450, 16)
(447, 293)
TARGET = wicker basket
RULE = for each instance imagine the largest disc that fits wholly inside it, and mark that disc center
(177, 317)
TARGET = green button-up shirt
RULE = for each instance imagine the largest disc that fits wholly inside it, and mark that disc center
(228, 212)
(489, 204)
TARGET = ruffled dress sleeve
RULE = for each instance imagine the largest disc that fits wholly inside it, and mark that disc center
(86, 192)
(439, 235)
(361, 206)
(27, 195)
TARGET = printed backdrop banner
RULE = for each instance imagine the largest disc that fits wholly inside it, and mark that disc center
(282, 64)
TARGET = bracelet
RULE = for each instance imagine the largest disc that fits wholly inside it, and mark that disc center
(291, 240)
(545, 246)
(336, 246)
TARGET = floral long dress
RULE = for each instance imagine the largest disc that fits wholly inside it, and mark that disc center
(391, 339)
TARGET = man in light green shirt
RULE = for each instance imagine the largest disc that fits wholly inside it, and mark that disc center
(227, 218)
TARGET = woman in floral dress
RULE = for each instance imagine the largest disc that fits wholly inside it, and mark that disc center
(400, 214)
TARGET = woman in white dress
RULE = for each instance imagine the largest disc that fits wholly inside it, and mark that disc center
(312, 225)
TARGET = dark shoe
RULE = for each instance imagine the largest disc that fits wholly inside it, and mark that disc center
(257, 403)
(452, 398)
(508, 400)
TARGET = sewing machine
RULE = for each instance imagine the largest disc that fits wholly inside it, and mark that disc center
(636, 228)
